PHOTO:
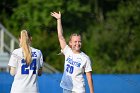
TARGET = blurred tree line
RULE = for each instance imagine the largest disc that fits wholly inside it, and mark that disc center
(110, 29)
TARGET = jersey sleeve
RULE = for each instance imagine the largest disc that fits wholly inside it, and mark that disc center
(13, 59)
(41, 59)
(66, 50)
(88, 66)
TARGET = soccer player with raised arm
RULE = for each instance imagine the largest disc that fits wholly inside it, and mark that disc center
(76, 62)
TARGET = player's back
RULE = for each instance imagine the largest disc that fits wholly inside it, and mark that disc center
(25, 79)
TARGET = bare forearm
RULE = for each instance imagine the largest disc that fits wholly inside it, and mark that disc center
(40, 72)
(12, 71)
(90, 81)
(91, 87)
(60, 34)
(59, 28)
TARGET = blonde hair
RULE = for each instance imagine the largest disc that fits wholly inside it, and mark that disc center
(25, 45)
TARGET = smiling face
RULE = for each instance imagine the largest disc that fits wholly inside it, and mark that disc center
(75, 43)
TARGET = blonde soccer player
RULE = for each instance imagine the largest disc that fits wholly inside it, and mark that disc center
(25, 65)
(76, 62)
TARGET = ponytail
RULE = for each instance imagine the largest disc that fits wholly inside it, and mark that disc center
(25, 45)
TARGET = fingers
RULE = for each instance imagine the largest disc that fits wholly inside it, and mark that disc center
(54, 13)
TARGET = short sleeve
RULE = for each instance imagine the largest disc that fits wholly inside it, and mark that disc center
(66, 50)
(41, 59)
(13, 59)
(88, 66)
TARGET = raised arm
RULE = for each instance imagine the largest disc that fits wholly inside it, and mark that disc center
(59, 29)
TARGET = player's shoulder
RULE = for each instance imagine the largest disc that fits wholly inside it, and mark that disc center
(17, 50)
(84, 55)
(35, 50)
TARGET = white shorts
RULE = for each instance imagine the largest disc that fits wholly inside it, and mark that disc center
(69, 91)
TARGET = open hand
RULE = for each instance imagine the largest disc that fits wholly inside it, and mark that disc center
(56, 15)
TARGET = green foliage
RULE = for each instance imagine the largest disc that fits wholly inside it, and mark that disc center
(110, 30)
(114, 44)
